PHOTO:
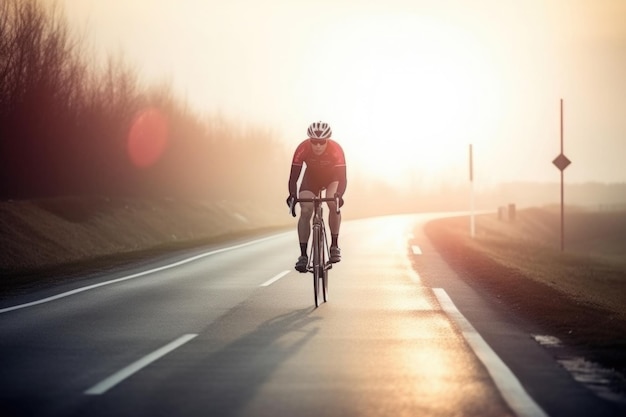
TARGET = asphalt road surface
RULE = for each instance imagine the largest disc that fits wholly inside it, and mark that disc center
(233, 331)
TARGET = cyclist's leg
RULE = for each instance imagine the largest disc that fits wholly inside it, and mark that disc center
(304, 222)
(308, 189)
(334, 219)
(304, 230)
(306, 212)
(334, 223)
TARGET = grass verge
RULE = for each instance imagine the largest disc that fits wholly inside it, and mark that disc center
(26, 280)
(576, 295)
(47, 241)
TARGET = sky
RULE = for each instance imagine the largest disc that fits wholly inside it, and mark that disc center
(406, 85)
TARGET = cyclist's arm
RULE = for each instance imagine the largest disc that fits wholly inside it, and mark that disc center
(340, 169)
(340, 174)
(293, 179)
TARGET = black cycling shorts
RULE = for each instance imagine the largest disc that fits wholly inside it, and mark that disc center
(316, 183)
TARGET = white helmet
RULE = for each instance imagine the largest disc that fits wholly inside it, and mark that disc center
(319, 130)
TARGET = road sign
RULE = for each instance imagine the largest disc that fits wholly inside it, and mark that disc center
(561, 162)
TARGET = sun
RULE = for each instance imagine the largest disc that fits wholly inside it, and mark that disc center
(408, 94)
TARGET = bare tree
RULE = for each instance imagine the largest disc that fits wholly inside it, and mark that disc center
(64, 124)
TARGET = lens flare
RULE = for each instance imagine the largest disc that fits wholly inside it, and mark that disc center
(147, 138)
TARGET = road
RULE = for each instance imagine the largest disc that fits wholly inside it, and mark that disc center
(232, 331)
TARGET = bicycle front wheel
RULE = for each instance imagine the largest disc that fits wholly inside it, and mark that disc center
(318, 266)
(324, 269)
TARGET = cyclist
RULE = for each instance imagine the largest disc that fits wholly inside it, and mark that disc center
(325, 169)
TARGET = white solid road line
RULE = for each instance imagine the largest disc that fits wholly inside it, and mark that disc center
(273, 280)
(115, 281)
(509, 386)
(116, 378)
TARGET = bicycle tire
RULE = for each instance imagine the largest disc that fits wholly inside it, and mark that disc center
(324, 269)
(325, 285)
(316, 265)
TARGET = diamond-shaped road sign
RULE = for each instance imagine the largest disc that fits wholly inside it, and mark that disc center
(561, 162)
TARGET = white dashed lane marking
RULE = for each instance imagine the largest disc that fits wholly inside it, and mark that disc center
(116, 378)
(273, 280)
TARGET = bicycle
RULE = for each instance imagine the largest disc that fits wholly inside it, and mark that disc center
(319, 258)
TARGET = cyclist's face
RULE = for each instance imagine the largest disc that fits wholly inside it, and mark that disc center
(318, 145)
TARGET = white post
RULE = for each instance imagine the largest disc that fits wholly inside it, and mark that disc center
(471, 175)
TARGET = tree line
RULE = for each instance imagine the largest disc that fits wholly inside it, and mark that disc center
(65, 123)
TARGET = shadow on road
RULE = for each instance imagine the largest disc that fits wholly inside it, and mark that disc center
(218, 373)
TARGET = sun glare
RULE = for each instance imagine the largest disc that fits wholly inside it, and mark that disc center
(411, 94)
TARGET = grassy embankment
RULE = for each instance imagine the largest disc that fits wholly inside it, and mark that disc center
(48, 240)
(577, 295)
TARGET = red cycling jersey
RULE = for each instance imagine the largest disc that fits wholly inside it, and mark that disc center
(321, 170)
(332, 157)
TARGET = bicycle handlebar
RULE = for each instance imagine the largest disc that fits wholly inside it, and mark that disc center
(292, 206)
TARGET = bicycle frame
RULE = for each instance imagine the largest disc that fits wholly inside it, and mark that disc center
(319, 259)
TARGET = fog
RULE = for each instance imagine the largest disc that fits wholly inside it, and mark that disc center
(406, 85)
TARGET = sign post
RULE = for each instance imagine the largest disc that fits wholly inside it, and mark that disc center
(471, 177)
(562, 162)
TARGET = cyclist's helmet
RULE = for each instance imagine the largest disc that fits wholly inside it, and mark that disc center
(319, 130)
